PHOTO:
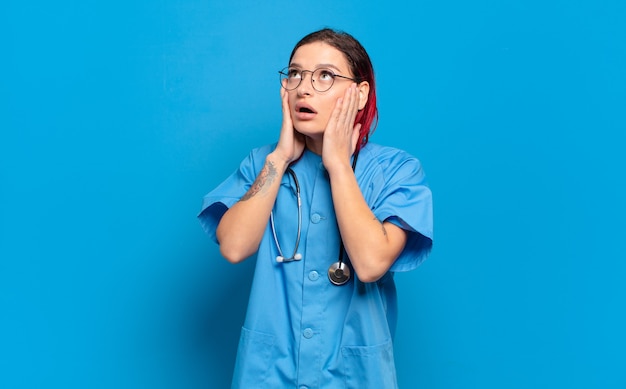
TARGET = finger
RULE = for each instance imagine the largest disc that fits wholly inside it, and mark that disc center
(355, 136)
(335, 116)
(283, 97)
(352, 110)
(349, 102)
(285, 105)
(349, 111)
(339, 114)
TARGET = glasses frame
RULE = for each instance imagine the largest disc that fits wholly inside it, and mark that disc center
(285, 72)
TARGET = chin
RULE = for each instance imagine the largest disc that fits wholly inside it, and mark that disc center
(308, 129)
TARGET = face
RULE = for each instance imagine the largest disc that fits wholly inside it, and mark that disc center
(310, 109)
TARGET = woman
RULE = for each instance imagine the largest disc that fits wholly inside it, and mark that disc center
(330, 218)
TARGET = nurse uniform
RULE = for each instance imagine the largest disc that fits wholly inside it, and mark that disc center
(301, 331)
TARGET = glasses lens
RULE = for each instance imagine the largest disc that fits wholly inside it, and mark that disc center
(290, 78)
(323, 79)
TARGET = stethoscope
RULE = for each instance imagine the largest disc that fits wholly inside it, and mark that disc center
(338, 272)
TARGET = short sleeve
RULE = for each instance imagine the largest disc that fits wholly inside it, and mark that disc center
(405, 199)
(220, 199)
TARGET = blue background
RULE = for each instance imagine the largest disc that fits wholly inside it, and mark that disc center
(117, 117)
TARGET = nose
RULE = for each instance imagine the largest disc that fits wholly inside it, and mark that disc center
(305, 87)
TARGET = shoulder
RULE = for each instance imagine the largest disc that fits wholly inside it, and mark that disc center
(256, 157)
(373, 152)
(387, 160)
(262, 151)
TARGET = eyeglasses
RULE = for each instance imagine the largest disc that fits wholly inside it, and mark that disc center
(322, 79)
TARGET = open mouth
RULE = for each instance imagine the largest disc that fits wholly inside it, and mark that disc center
(304, 109)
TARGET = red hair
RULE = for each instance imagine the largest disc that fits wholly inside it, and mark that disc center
(361, 68)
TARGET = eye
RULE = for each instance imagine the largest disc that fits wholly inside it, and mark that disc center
(326, 75)
(294, 73)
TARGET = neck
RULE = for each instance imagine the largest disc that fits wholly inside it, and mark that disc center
(314, 145)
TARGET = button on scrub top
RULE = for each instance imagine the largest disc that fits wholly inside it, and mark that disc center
(300, 330)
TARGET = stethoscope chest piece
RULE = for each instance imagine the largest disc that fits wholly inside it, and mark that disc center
(339, 273)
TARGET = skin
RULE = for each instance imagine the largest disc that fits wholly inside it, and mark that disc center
(372, 245)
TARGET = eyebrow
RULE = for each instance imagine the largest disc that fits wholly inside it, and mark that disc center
(319, 66)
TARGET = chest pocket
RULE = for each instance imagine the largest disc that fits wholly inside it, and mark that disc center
(369, 366)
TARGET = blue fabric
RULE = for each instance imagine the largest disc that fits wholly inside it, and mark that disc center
(300, 330)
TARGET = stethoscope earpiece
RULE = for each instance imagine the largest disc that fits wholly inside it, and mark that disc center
(296, 257)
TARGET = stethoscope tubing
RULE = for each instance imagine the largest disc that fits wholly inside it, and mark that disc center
(295, 256)
(338, 272)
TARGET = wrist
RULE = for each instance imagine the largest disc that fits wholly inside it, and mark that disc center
(279, 161)
(339, 169)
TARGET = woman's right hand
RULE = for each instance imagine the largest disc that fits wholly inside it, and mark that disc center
(291, 143)
(242, 227)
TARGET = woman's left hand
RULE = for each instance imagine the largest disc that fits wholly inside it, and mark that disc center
(341, 134)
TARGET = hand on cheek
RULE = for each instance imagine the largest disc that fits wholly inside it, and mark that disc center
(291, 143)
(341, 134)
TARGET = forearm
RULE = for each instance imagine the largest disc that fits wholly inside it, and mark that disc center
(241, 228)
(371, 245)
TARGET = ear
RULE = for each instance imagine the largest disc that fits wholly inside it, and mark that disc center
(364, 90)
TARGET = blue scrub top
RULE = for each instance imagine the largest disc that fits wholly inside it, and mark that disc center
(300, 330)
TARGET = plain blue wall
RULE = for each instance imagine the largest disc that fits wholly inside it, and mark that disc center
(116, 117)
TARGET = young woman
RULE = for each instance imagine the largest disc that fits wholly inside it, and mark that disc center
(330, 218)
